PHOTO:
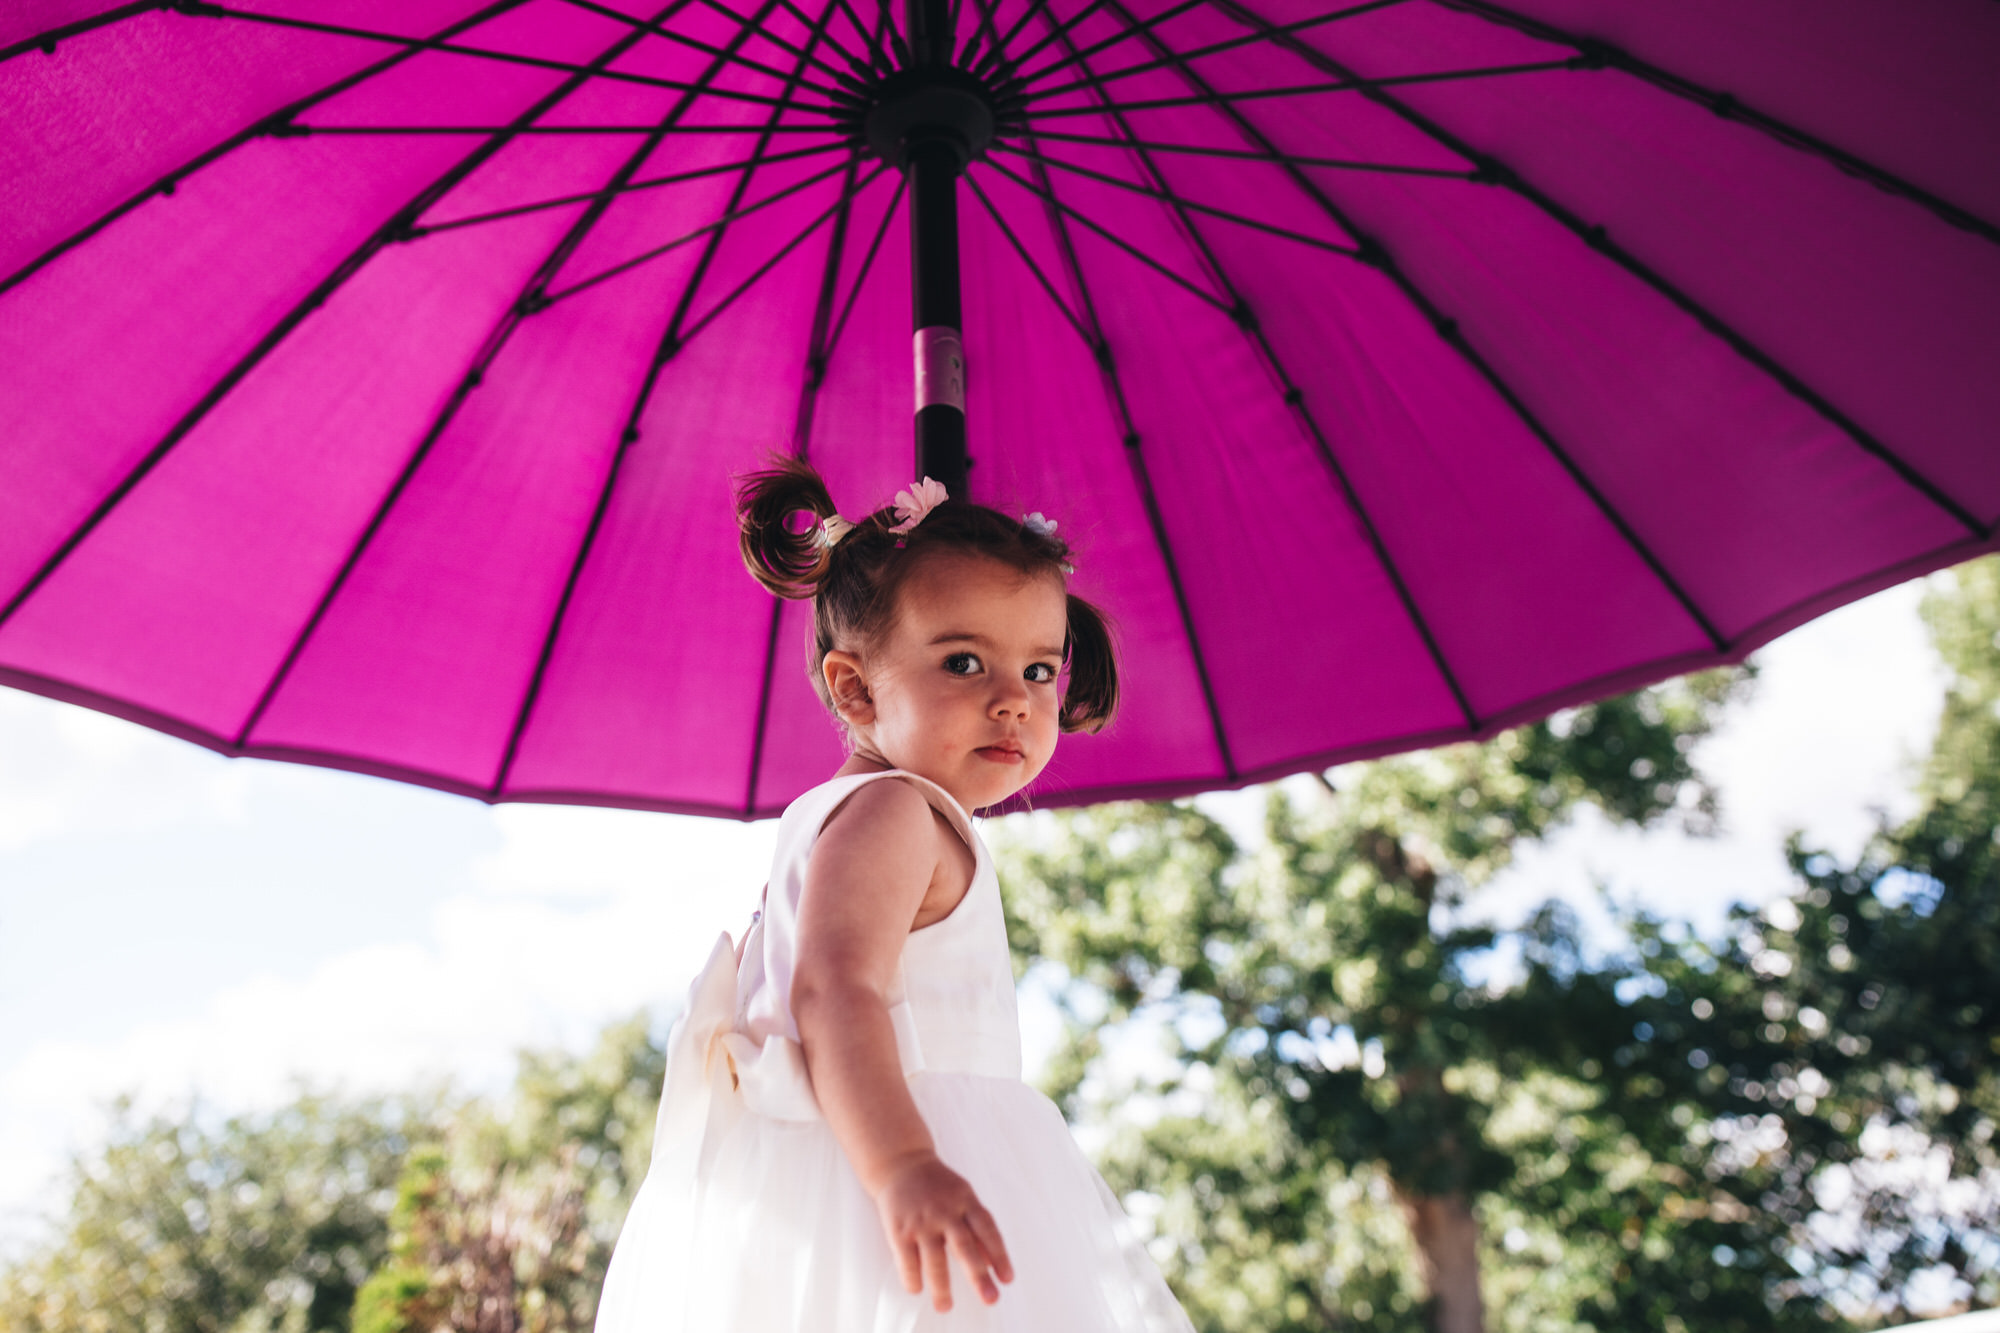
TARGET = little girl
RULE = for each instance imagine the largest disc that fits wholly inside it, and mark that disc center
(844, 1120)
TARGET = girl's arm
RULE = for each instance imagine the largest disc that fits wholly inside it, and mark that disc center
(870, 869)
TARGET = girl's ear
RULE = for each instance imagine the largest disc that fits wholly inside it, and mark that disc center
(848, 688)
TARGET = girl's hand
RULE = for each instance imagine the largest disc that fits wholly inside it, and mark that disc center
(930, 1213)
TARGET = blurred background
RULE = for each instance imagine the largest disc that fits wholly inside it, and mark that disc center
(1675, 1012)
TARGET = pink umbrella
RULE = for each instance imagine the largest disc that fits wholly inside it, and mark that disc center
(375, 371)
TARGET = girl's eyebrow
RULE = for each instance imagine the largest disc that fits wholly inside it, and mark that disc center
(966, 636)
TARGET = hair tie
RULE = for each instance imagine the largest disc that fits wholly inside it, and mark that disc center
(831, 529)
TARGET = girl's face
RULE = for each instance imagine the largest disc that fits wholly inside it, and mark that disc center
(962, 688)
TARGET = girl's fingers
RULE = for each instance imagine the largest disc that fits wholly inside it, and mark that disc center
(937, 1271)
(973, 1258)
(988, 1231)
(910, 1262)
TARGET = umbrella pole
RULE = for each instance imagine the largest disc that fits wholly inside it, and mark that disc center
(932, 158)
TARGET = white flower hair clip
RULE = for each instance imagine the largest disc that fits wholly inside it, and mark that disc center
(913, 504)
(1043, 526)
(831, 529)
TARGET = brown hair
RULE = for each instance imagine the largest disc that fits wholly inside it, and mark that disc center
(853, 585)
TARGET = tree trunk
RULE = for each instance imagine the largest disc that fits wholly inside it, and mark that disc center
(1447, 1237)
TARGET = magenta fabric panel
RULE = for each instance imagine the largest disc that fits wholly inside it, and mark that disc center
(1910, 88)
(654, 684)
(1451, 475)
(24, 19)
(802, 742)
(69, 153)
(207, 273)
(1860, 294)
(1583, 343)
(861, 418)
(1048, 439)
(190, 595)
(444, 88)
(1378, 449)
(427, 652)
(1266, 542)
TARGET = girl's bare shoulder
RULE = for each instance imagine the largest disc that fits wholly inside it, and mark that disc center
(891, 818)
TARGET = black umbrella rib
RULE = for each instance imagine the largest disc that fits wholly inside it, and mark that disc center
(496, 339)
(291, 131)
(785, 43)
(737, 292)
(275, 335)
(1027, 259)
(47, 40)
(1596, 53)
(1378, 257)
(206, 10)
(1250, 155)
(630, 187)
(984, 44)
(696, 44)
(1058, 30)
(1192, 288)
(670, 345)
(1135, 458)
(1179, 202)
(1020, 25)
(878, 53)
(857, 67)
(1122, 35)
(167, 184)
(867, 262)
(1347, 85)
(802, 424)
(819, 348)
(708, 229)
(1295, 399)
(1599, 240)
(1214, 48)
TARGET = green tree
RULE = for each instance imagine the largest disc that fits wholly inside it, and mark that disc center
(468, 1214)
(1823, 1076)
(1333, 1045)
(506, 1224)
(192, 1224)
(1361, 1117)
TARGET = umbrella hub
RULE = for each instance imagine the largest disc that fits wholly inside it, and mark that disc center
(921, 104)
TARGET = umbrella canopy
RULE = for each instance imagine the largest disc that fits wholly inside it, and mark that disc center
(375, 370)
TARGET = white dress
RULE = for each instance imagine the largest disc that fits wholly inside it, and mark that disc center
(751, 1219)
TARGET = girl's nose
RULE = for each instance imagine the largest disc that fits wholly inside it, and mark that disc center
(1010, 697)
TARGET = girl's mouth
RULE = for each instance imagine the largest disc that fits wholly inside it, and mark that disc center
(1000, 754)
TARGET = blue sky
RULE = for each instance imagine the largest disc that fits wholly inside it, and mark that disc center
(174, 922)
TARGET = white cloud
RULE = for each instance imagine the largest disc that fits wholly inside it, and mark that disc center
(66, 770)
(581, 916)
(1843, 709)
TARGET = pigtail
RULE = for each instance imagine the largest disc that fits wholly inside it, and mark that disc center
(780, 551)
(1092, 696)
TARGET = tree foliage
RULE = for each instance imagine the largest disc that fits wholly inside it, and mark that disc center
(186, 1223)
(1663, 1132)
(506, 1225)
(459, 1214)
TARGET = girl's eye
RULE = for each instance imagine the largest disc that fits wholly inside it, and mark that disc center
(1041, 673)
(962, 664)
